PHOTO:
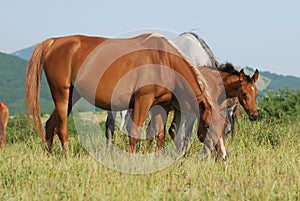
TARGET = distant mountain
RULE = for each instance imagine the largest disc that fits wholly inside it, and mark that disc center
(272, 81)
(24, 53)
(12, 85)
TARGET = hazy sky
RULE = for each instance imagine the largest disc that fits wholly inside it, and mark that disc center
(257, 33)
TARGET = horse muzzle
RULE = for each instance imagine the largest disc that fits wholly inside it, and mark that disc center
(253, 117)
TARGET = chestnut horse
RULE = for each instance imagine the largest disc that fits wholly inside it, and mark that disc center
(116, 74)
(236, 85)
(4, 114)
(198, 53)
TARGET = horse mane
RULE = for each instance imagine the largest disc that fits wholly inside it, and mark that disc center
(152, 35)
(199, 77)
(205, 47)
(228, 68)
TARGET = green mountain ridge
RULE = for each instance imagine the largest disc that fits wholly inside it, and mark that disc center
(12, 85)
(273, 81)
(13, 71)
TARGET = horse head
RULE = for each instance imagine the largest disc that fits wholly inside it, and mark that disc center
(248, 93)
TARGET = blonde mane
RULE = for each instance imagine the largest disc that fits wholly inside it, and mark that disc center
(200, 79)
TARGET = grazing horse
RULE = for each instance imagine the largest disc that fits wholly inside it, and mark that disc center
(234, 84)
(4, 114)
(114, 74)
(196, 50)
(198, 53)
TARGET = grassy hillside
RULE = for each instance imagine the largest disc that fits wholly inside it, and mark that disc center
(12, 85)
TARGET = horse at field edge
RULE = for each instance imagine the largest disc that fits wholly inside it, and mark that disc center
(69, 76)
(235, 84)
(197, 52)
(4, 115)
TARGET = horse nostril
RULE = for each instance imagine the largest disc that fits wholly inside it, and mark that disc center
(253, 117)
(206, 126)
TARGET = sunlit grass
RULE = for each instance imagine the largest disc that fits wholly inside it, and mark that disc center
(258, 168)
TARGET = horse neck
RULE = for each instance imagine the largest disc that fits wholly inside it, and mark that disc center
(231, 84)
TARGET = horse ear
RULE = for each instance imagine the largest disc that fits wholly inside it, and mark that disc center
(255, 76)
(242, 75)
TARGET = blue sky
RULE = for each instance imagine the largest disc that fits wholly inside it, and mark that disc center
(263, 34)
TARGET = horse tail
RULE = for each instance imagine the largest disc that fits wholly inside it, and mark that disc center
(33, 82)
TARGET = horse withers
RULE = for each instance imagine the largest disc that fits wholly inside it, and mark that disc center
(4, 114)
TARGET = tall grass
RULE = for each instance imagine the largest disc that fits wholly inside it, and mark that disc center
(264, 164)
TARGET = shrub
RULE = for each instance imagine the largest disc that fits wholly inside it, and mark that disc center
(282, 105)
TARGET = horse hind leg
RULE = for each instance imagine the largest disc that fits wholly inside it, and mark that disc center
(57, 124)
(51, 130)
(62, 126)
(58, 120)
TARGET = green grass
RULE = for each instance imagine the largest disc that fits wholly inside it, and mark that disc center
(264, 164)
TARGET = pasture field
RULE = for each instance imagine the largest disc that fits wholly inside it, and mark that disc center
(264, 164)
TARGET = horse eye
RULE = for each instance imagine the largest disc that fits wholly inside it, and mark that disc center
(206, 126)
(244, 95)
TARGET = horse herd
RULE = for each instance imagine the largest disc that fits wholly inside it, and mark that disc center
(136, 75)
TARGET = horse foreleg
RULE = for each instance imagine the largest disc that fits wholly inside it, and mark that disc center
(221, 149)
(189, 123)
(123, 114)
(110, 127)
(179, 122)
(174, 125)
(141, 108)
(160, 117)
(150, 133)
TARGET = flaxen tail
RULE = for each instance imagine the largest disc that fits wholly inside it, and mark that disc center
(33, 82)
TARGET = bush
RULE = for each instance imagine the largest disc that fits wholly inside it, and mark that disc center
(282, 105)
(19, 129)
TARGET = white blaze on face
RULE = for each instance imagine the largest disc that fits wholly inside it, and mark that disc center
(223, 149)
(252, 88)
